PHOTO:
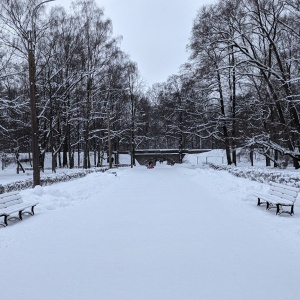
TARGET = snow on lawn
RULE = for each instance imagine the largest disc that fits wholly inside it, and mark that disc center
(167, 233)
(9, 174)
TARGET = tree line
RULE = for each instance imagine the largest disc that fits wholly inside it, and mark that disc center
(239, 88)
(87, 89)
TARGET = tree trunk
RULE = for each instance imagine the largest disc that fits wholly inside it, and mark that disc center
(276, 157)
(268, 160)
(65, 153)
(225, 131)
(251, 156)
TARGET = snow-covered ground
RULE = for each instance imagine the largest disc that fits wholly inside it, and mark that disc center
(9, 174)
(184, 232)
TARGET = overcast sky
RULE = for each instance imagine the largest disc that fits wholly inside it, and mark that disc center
(155, 32)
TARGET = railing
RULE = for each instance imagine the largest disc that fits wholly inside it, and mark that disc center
(206, 159)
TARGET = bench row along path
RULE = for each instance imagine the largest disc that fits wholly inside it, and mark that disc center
(166, 233)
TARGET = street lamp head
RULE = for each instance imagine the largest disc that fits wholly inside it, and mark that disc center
(34, 11)
(46, 1)
(39, 5)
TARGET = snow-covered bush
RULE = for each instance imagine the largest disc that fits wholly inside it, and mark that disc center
(47, 180)
(262, 174)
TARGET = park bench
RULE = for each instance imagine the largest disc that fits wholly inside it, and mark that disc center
(12, 203)
(279, 196)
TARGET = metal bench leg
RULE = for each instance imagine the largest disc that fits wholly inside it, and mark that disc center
(292, 209)
(23, 212)
(5, 220)
(258, 202)
(278, 209)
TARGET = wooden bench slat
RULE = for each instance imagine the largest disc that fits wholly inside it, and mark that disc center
(283, 196)
(13, 202)
(8, 194)
(284, 191)
(279, 185)
(274, 199)
(10, 198)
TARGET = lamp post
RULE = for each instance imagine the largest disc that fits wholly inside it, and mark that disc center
(109, 139)
(32, 93)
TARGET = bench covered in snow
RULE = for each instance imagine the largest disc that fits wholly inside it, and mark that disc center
(12, 203)
(278, 197)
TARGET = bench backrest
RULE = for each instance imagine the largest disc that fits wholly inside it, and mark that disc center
(9, 199)
(284, 191)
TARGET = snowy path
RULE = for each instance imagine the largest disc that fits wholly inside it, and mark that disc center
(163, 234)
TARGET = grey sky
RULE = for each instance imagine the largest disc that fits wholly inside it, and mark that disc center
(155, 32)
